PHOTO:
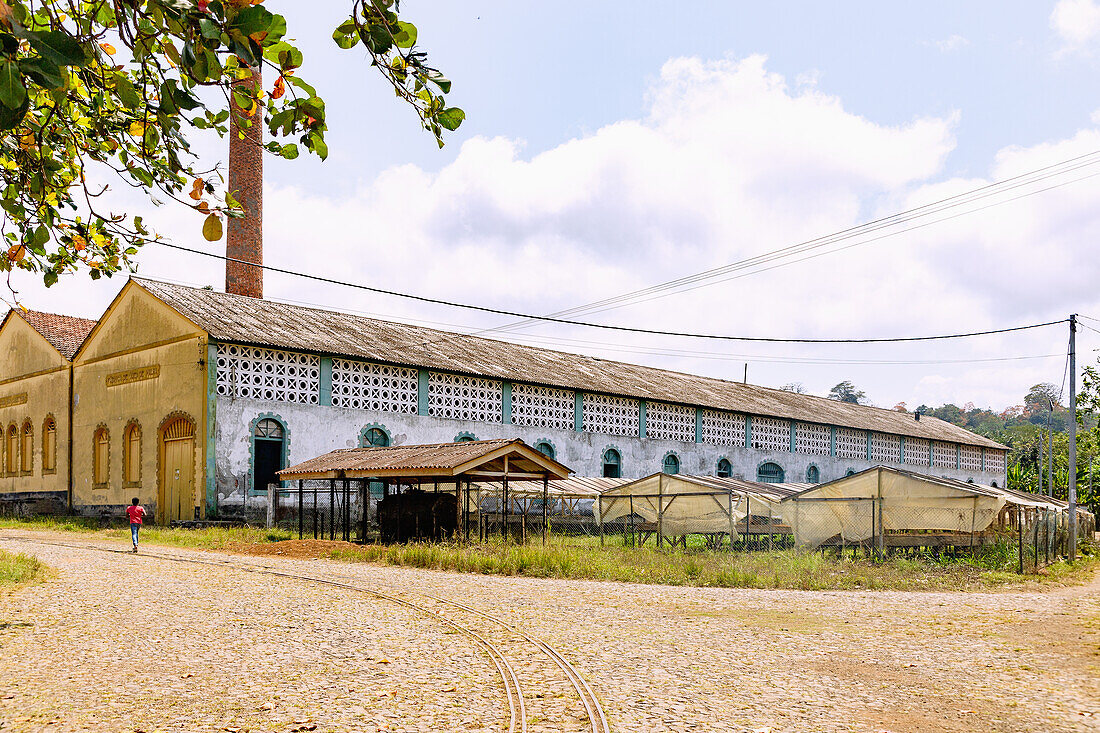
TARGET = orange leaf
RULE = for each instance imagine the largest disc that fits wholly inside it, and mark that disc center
(17, 253)
(279, 90)
(107, 49)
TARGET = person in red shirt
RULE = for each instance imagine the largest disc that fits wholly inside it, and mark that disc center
(136, 513)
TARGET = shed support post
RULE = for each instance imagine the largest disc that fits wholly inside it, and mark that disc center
(633, 536)
(545, 513)
(660, 509)
(364, 493)
(729, 500)
(300, 507)
(332, 508)
(599, 508)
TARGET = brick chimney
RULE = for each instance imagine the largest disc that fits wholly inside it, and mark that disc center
(245, 236)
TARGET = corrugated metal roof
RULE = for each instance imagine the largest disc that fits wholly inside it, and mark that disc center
(245, 320)
(409, 460)
(65, 333)
(587, 486)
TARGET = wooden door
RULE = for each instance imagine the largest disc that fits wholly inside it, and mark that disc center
(175, 498)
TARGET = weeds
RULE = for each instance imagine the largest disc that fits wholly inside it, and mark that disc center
(18, 570)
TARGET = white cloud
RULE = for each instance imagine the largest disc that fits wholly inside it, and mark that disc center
(728, 162)
(952, 43)
(1077, 22)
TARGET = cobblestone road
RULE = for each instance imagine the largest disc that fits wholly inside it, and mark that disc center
(119, 643)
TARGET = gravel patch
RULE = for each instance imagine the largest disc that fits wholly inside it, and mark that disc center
(659, 658)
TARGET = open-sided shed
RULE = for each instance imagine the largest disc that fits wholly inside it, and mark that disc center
(407, 509)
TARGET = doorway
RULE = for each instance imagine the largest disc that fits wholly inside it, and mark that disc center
(176, 490)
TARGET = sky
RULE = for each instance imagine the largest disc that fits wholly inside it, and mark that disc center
(612, 146)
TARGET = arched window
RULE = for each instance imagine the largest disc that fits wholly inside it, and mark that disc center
(546, 449)
(131, 455)
(725, 468)
(612, 463)
(994, 484)
(671, 464)
(813, 476)
(13, 450)
(268, 452)
(465, 438)
(851, 472)
(374, 437)
(101, 456)
(26, 463)
(49, 445)
(770, 473)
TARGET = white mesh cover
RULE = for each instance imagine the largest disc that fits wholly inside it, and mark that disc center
(943, 455)
(811, 439)
(851, 443)
(994, 460)
(970, 458)
(769, 433)
(460, 397)
(669, 422)
(543, 407)
(885, 448)
(723, 428)
(611, 415)
(268, 374)
(364, 386)
(916, 451)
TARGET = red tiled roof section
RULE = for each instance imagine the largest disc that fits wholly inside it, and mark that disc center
(66, 333)
(243, 320)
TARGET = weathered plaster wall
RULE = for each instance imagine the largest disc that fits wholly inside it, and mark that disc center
(314, 430)
(137, 332)
(34, 383)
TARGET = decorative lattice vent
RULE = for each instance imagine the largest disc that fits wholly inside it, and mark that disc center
(970, 458)
(723, 428)
(995, 461)
(851, 443)
(669, 422)
(610, 415)
(916, 451)
(943, 455)
(543, 407)
(364, 386)
(812, 439)
(268, 374)
(464, 398)
(769, 433)
(885, 448)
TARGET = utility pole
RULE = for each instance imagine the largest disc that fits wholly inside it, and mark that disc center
(1050, 448)
(1071, 479)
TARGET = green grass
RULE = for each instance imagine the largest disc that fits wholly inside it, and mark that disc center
(582, 558)
(18, 570)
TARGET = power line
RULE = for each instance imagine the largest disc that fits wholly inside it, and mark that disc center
(629, 329)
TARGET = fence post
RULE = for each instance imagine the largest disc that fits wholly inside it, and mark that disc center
(271, 494)
(599, 508)
(633, 536)
(545, 512)
(732, 520)
(300, 507)
(1020, 535)
(660, 509)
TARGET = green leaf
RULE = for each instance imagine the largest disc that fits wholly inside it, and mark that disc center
(290, 151)
(405, 35)
(12, 92)
(59, 47)
(443, 83)
(127, 93)
(254, 19)
(43, 72)
(212, 228)
(344, 40)
(451, 118)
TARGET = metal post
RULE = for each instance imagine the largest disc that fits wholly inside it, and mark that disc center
(599, 508)
(300, 506)
(332, 508)
(1020, 535)
(1071, 479)
(314, 511)
(729, 500)
(661, 506)
(545, 512)
(633, 535)
(770, 527)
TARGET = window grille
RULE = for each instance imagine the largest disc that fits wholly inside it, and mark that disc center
(725, 468)
(943, 455)
(885, 448)
(669, 422)
(671, 464)
(970, 458)
(268, 374)
(364, 386)
(769, 433)
(723, 428)
(374, 437)
(770, 473)
(851, 443)
(612, 463)
(995, 461)
(543, 407)
(916, 452)
(813, 475)
(811, 439)
(610, 415)
(545, 448)
(460, 397)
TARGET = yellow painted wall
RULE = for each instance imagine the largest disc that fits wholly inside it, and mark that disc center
(30, 365)
(137, 332)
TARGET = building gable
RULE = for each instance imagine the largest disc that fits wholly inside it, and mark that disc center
(24, 351)
(135, 320)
